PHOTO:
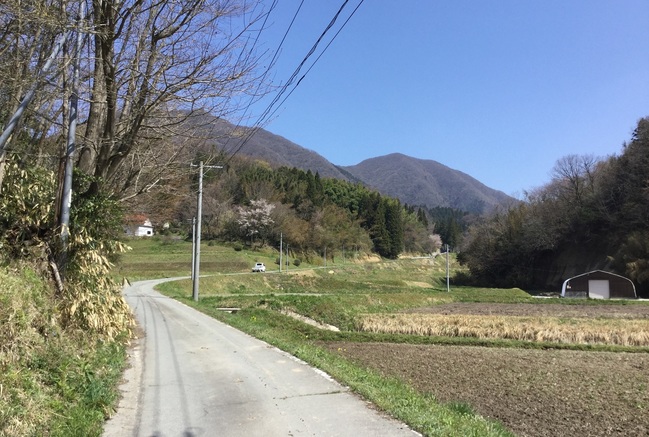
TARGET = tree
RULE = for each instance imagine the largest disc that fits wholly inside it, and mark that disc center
(151, 69)
(294, 231)
(575, 176)
(154, 64)
(255, 221)
(29, 32)
(394, 227)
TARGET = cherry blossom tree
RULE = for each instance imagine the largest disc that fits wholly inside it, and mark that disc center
(255, 220)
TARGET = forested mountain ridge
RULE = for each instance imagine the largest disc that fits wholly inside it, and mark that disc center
(411, 180)
(265, 145)
(427, 182)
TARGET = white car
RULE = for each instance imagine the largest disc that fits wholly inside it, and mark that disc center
(259, 267)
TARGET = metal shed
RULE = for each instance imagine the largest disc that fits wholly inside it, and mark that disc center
(599, 284)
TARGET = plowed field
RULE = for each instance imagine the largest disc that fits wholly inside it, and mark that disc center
(536, 393)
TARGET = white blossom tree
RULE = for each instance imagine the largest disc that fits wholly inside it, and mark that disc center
(255, 220)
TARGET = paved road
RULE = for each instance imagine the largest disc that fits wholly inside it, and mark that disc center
(194, 376)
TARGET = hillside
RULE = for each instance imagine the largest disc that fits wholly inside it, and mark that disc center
(411, 180)
(426, 182)
(264, 145)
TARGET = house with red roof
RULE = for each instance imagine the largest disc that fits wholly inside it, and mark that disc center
(138, 225)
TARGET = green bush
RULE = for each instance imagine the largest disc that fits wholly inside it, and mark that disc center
(297, 262)
(26, 204)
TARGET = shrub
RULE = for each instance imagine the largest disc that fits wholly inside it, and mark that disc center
(27, 209)
(238, 247)
(89, 300)
(297, 262)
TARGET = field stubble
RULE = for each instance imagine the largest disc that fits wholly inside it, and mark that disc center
(616, 331)
(534, 393)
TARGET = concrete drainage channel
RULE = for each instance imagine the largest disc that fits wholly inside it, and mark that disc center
(310, 321)
(294, 315)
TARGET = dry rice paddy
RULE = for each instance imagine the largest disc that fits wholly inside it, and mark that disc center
(613, 331)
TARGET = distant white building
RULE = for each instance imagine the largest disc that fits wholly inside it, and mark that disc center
(138, 226)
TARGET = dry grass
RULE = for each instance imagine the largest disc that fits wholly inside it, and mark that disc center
(539, 329)
(418, 284)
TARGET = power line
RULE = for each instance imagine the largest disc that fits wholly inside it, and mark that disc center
(271, 63)
(318, 58)
(270, 109)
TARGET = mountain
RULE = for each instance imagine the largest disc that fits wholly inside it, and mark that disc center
(264, 145)
(426, 182)
(411, 180)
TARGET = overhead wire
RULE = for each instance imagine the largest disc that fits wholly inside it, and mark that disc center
(270, 109)
(317, 59)
(270, 64)
(283, 89)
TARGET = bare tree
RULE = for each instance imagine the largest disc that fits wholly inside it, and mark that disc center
(28, 33)
(149, 66)
(155, 64)
(575, 176)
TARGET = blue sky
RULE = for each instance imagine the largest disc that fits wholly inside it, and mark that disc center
(496, 89)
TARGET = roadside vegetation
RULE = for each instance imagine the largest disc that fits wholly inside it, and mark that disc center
(62, 332)
(54, 379)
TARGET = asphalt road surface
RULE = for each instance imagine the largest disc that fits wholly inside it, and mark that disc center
(191, 375)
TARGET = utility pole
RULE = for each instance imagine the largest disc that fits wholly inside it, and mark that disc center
(197, 238)
(448, 284)
(280, 252)
(193, 248)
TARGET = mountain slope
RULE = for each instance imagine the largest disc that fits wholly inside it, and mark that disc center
(264, 145)
(426, 182)
(411, 180)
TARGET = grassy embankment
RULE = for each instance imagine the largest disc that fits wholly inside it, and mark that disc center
(52, 381)
(350, 296)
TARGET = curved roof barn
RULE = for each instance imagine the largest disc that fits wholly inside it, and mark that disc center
(599, 284)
